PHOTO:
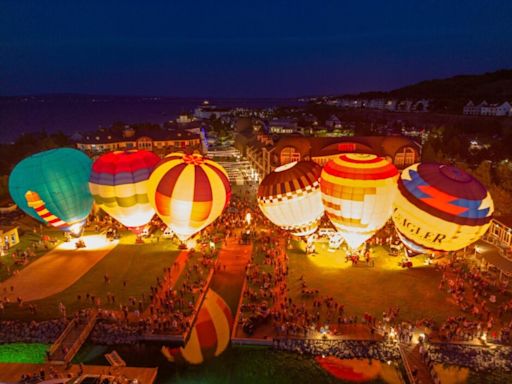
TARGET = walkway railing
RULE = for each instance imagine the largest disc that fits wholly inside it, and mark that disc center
(57, 343)
(84, 334)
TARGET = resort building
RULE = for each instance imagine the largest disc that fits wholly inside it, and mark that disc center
(265, 155)
(160, 141)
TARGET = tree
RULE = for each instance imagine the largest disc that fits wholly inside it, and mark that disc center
(484, 173)
(428, 153)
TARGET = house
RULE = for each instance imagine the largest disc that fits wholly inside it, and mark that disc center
(497, 109)
(376, 104)
(404, 106)
(333, 122)
(421, 105)
(473, 109)
(8, 237)
(391, 105)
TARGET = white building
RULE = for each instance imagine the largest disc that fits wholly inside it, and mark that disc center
(486, 109)
(497, 109)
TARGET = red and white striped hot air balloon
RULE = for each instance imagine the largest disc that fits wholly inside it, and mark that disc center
(290, 197)
(210, 334)
(188, 192)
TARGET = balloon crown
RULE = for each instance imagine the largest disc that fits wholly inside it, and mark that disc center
(194, 159)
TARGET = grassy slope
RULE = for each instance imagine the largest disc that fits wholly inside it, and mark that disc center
(138, 265)
(364, 289)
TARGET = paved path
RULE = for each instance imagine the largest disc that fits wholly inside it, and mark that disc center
(170, 280)
(57, 270)
(229, 276)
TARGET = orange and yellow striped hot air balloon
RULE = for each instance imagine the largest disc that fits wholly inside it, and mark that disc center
(358, 192)
(210, 334)
(188, 192)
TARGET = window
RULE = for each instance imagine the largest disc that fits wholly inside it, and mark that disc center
(288, 155)
(406, 157)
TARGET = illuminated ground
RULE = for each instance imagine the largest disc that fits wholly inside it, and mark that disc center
(371, 289)
(23, 353)
(138, 265)
(58, 269)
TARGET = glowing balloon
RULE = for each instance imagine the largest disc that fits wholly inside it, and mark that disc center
(118, 184)
(188, 192)
(52, 187)
(290, 197)
(358, 191)
(440, 208)
(210, 335)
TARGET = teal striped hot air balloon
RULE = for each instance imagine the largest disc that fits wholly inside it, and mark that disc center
(52, 186)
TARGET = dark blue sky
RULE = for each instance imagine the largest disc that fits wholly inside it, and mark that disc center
(246, 48)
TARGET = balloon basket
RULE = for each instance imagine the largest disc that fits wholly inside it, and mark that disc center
(182, 246)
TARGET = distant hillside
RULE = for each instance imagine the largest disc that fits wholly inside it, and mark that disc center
(454, 92)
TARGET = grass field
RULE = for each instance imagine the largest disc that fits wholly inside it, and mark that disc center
(371, 289)
(27, 240)
(23, 353)
(137, 265)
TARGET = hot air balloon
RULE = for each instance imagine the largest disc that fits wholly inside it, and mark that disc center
(358, 191)
(118, 184)
(188, 192)
(440, 208)
(210, 334)
(290, 197)
(52, 186)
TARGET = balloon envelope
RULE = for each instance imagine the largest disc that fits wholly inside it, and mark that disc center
(52, 187)
(358, 191)
(210, 334)
(440, 208)
(118, 184)
(290, 197)
(188, 192)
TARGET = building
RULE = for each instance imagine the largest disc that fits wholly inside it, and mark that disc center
(282, 126)
(8, 237)
(333, 122)
(158, 140)
(495, 251)
(265, 154)
(486, 109)
(206, 111)
(497, 109)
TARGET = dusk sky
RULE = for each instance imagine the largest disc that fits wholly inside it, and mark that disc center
(246, 48)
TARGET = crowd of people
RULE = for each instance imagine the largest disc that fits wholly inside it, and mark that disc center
(31, 332)
(473, 357)
(343, 349)
(483, 303)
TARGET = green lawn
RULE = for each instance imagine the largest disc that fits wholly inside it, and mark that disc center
(371, 289)
(139, 265)
(23, 353)
(27, 241)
